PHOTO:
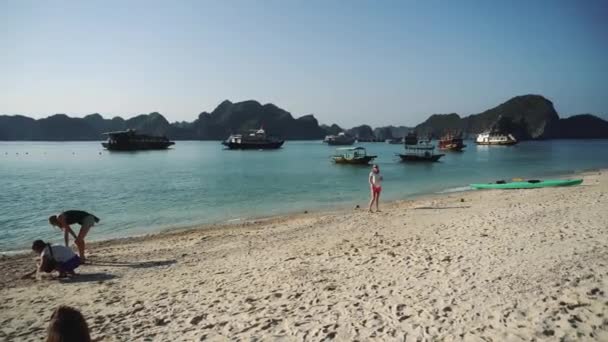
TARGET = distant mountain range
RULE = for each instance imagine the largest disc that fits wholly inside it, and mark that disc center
(527, 117)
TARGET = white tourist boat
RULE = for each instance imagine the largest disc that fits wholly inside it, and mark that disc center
(495, 139)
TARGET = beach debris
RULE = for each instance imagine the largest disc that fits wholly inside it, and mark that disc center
(462, 200)
(160, 321)
(357, 206)
(305, 211)
(197, 319)
(330, 287)
(548, 332)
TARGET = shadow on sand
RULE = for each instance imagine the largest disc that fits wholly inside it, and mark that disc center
(88, 277)
(454, 207)
(143, 264)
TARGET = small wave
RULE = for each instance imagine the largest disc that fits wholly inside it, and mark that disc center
(13, 253)
(457, 189)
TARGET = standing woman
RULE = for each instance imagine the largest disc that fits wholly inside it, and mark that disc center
(375, 183)
(67, 218)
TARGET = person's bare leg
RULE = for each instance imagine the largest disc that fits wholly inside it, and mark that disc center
(80, 242)
(371, 202)
(377, 201)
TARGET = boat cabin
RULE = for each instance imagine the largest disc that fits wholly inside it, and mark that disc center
(352, 152)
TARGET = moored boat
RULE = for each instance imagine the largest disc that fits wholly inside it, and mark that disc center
(129, 140)
(340, 139)
(353, 155)
(253, 140)
(451, 142)
(490, 138)
(418, 150)
(530, 184)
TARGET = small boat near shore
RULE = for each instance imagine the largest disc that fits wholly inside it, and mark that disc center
(129, 140)
(451, 142)
(530, 184)
(254, 140)
(418, 150)
(490, 138)
(353, 155)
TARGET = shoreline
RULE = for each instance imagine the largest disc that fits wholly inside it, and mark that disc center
(478, 265)
(335, 209)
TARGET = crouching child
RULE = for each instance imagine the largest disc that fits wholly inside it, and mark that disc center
(55, 258)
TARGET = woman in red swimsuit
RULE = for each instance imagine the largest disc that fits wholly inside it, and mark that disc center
(375, 183)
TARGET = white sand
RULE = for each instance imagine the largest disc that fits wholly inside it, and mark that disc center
(500, 266)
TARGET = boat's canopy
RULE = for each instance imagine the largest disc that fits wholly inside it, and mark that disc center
(127, 132)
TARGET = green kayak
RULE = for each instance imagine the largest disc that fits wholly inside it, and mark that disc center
(531, 184)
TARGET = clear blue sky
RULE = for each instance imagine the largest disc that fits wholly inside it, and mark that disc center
(350, 62)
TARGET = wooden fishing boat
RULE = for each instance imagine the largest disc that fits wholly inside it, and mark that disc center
(254, 140)
(418, 150)
(129, 140)
(352, 155)
(451, 142)
(340, 139)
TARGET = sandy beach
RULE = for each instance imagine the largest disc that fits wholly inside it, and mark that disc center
(473, 266)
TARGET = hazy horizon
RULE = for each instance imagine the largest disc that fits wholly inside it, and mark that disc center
(295, 115)
(347, 63)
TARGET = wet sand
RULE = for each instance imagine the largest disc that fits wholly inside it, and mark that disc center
(474, 266)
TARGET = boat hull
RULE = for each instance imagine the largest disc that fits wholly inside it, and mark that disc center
(356, 161)
(420, 158)
(497, 143)
(136, 146)
(254, 146)
(528, 184)
(453, 148)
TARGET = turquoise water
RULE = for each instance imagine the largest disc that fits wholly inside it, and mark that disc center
(199, 182)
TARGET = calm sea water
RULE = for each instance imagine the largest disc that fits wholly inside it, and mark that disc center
(199, 182)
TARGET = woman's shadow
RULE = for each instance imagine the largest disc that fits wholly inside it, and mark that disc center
(141, 264)
(88, 277)
(102, 276)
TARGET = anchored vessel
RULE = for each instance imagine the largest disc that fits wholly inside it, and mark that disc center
(340, 139)
(418, 150)
(129, 140)
(352, 155)
(451, 142)
(490, 138)
(253, 140)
